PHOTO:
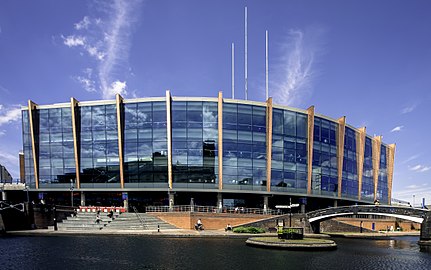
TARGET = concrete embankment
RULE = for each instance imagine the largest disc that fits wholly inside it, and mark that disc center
(151, 233)
(375, 235)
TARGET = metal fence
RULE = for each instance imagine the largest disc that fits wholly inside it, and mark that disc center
(211, 209)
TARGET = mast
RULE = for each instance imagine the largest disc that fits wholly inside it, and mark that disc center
(266, 64)
(246, 75)
(233, 70)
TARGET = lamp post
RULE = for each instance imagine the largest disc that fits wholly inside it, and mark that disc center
(26, 190)
(290, 206)
(414, 200)
(71, 192)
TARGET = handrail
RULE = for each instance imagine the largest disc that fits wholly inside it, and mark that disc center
(139, 217)
(212, 209)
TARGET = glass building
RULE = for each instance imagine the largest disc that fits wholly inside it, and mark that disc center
(213, 149)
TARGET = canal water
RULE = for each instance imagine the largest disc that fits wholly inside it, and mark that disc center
(140, 252)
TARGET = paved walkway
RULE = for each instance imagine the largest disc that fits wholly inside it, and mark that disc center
(154, 233)
(197, 234)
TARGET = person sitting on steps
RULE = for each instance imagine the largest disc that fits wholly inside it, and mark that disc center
(199, 225)
(98, 219)
(111, 214)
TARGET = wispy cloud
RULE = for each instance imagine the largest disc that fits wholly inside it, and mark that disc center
(397, 128)
(419, 191)
(83, 24)
(296, 70)
(107, 40)
(9, 160)
(9, 114)
(420, 168)
(408, 109)
(410, 159)
(87, 81)
(4, 89)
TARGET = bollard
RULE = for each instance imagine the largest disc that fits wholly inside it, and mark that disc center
(55, 224)
(158, 228)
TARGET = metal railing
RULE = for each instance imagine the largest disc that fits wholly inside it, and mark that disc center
(139, 217)
(212, 209)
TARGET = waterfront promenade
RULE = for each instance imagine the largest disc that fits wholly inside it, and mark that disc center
(206, 233)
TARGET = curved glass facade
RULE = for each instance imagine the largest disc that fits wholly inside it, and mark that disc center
(289, 151)
(145, 145)
(158, 143)
(244, 147)
(325, 172)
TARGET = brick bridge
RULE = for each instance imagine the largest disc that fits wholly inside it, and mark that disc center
(422, 216)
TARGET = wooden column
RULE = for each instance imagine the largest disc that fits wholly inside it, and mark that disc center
(310, 142)
(268, 143)
(119, 102)
(31, 107)
(360, 154)
(73, 104)
(220, 140)
(390, 153)
(340, 151)
(377, 142)
(169, 137)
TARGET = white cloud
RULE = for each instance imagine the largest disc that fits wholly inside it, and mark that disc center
(408, 109)
(397, 129)
(83, 24)
(73, 41)
(2, 132)
(9, 114)
(93, 51)
(296, 71)
(420, 168)
(108, 41)
(116, 87)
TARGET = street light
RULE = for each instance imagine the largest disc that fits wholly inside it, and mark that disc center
(26, 190)
(71, 192)
(414, 201)
(290, 206)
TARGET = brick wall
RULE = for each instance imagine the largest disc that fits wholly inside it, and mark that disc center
(211, 221)
(379, 224)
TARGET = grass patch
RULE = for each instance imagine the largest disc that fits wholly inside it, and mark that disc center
(292, 241)
(248, 230)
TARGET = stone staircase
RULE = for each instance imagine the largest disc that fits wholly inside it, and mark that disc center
(124, 221)
(131, 221)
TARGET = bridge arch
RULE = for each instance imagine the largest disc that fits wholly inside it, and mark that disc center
(406, 213)
(330, 216)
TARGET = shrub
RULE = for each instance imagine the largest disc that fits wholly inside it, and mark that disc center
(248, 230)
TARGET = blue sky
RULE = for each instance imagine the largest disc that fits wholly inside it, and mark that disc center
(367, 60)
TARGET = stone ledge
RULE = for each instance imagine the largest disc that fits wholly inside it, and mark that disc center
(306, 243)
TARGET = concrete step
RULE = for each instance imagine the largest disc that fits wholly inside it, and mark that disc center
(61, 226)
(124, 221)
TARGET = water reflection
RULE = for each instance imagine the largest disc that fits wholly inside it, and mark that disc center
(137, 252)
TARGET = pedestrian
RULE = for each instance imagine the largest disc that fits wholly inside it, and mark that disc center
(111, 214)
